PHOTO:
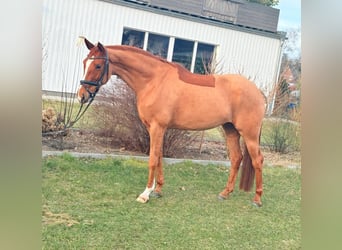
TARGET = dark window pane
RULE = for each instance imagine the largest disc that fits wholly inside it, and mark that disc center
(182, 52)
(204, 58)
(158, 45)
(133, 38)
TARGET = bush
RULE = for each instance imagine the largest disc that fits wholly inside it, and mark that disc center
(51, 121)
(281, 135)
(117, 117)
(53, 128)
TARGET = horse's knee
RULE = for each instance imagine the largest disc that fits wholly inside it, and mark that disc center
(154, 161)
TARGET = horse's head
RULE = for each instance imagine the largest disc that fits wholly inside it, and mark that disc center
(96, 71)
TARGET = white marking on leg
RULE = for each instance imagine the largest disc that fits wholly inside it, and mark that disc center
(148, 191)
(144, 196)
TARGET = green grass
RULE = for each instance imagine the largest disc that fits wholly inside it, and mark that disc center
(90, 204)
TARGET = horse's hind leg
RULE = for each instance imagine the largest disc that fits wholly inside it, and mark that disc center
(257, 158)
(235, 156)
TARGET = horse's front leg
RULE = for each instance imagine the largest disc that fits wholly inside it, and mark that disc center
(155, 163)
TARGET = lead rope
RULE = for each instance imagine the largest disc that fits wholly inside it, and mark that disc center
(80, 113)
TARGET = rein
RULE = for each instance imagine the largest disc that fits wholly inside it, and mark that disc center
(97, 84)
(80, 113)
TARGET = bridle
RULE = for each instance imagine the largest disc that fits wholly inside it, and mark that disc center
(97, 84)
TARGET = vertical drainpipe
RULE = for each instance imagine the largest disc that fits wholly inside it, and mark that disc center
(283, 38)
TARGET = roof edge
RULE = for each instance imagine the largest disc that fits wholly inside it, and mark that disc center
(143, 6)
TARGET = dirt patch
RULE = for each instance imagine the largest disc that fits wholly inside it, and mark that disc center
(85, 141)
(50, 218)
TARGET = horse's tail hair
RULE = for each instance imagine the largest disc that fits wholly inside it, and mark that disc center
(247, 172)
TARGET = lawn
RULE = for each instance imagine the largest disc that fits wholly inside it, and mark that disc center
(90, 204)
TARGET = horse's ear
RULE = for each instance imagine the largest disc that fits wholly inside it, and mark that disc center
(100, 46)
(88, 44)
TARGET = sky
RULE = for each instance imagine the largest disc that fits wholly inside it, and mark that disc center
(290, 19)
(290, 14)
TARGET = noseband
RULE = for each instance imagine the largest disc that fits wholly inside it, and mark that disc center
(97, 83)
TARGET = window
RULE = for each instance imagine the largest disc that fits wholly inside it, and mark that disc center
(133, 38)
(158, 45)
(182, 52)
(204, 59)
(195, 56)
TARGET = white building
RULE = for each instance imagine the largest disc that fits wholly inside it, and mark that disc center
(241, 36)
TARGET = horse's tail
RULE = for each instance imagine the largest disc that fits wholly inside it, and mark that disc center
(247, 172)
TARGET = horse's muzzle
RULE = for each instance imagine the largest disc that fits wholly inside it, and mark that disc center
(82, 96)
(82, 99)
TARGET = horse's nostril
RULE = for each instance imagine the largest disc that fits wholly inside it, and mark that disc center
(83, 99)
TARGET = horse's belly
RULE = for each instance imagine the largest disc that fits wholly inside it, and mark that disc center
(200, 117)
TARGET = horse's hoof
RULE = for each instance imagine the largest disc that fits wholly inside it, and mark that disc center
(221, 198)
(142, 199)
(155, 195)
(256, 204)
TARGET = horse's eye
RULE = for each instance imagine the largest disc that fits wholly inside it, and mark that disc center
(98, 66)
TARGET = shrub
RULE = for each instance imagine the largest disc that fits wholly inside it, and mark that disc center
(51, 121)
(281, 135)
(53, 128)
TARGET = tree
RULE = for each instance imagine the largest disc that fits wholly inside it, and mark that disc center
(292, 45)
(265, 2)
(292, 52)
(291, 60)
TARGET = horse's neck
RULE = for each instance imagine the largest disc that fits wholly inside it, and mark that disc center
(133, 68)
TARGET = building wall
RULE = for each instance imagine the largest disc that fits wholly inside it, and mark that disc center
(252, 54)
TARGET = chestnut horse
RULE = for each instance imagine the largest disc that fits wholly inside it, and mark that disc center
(169, 96)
